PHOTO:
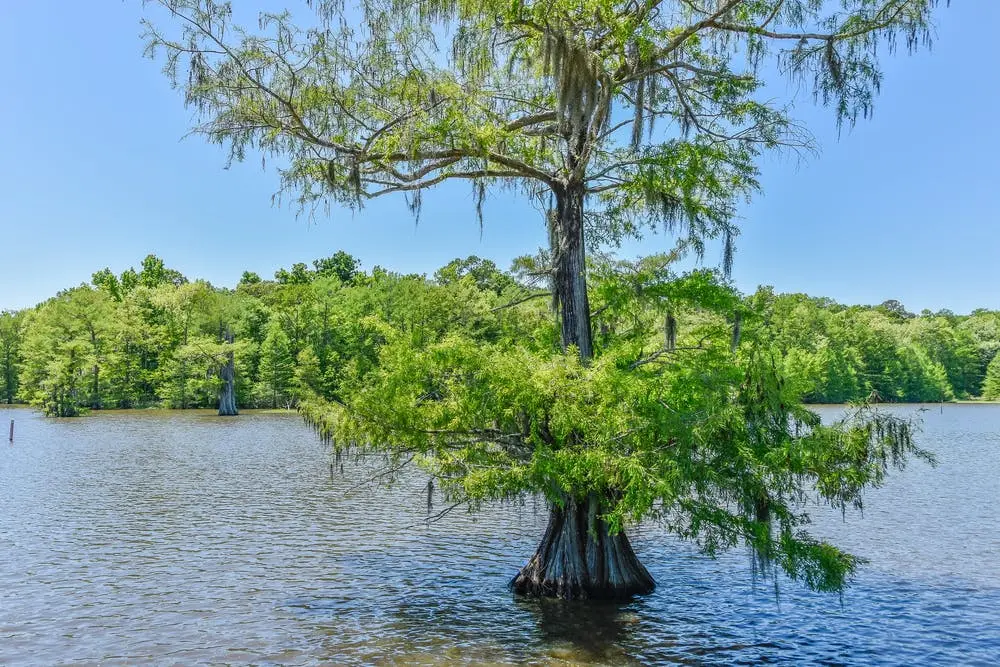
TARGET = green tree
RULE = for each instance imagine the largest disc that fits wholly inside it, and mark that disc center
(64, 352)
(109, 282)
(299, 275)
(11, 337)
(702, 432)
(983, 328)
(556, 96)
(249, 278)
(251, 318)
(991, 385)
(561, 98)
(189, 320)
(483, 272)
(132, 356)
(817, 350)
(155, 273)
(92, 309)
(340, 264)
(895, 309)
(276, 366)
(951, 347)
(129, 280)
(306, 375)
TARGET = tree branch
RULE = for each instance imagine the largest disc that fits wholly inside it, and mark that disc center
(516, 302)
(482, 173)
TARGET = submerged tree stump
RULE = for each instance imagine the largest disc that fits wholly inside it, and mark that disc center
(579, 559)
(227, 392)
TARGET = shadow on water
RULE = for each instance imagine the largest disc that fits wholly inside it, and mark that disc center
(584, 630)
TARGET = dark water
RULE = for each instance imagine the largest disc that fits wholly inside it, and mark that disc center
(182, 538)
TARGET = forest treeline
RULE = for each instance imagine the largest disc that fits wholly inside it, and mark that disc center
(153, 338)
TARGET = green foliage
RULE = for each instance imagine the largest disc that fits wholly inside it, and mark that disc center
(340, 264)
(11, 335)
(107, 281)
(154, 273)
(118, 347)
(834, 353)
(276, 366)
(249, 278)
(483, 273)
(991, 386)
(187, 375)
(129, 280)
(64, 347)
(306, 380)
(151, 338)
(700, 430)
(299, 275)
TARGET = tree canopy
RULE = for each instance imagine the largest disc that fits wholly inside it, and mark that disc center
(651, 106)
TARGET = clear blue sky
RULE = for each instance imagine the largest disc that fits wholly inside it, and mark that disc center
(94, 173)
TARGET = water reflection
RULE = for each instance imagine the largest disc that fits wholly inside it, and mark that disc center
(588, 631)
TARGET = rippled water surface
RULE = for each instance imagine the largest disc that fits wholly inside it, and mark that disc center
(179, 538)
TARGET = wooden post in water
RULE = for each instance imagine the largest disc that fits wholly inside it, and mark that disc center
(12, 430)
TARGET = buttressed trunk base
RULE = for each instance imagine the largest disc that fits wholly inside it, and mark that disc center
(578, 559)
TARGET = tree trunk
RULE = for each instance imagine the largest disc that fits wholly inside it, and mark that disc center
(578, 558)
(95, 401)
(227, 393)
(9, 376)
(571, 271)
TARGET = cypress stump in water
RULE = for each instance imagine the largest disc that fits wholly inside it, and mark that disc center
(579, 559)
(227, 392)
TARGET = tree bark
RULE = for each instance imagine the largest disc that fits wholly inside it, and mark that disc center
(95, 399)
(227, 392)
(579, 559)
(571, 271)
(9, 376)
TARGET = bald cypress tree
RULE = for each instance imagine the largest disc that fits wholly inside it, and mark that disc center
(617, 116)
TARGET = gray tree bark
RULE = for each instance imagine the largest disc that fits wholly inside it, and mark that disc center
(579, 559)
(227, 392)
(571, 272)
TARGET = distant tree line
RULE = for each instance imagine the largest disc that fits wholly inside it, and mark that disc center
(153, 338)
(838, 353)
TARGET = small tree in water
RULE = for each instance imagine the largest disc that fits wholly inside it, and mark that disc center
(616, 115)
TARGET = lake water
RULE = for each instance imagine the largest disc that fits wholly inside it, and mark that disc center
(181, 538)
